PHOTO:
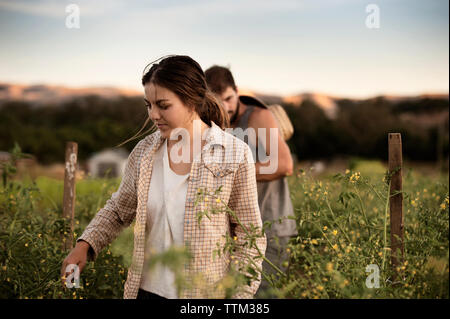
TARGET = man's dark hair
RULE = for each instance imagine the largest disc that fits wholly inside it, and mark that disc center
(219, 78)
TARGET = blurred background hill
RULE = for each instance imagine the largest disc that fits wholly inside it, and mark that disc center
(42, 118)
(347, 72)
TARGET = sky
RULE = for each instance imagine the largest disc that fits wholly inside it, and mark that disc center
(281, 47)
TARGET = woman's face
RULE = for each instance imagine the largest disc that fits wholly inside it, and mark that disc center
(166, 109)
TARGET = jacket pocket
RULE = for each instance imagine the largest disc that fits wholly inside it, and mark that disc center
(221, 170)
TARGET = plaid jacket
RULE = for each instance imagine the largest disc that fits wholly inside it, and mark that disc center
(224, 161)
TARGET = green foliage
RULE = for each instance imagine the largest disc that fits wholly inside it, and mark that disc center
(361, 129)
(93, 122)
(342, 223)
(31, 233)
(343, 226)
(8, 168)
(31, 253)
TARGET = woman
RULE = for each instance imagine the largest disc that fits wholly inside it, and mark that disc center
(158, 189)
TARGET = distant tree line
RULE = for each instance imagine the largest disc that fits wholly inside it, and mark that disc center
(361, 129)
(95, 123)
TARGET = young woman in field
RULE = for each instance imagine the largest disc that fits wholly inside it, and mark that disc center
(158, 190)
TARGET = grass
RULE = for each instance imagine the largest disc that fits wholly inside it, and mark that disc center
(343, 226)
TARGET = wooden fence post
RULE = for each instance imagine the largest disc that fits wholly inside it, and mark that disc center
(69, 191)
(396, 201)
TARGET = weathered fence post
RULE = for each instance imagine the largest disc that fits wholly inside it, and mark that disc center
(69, 191)
(396, 198)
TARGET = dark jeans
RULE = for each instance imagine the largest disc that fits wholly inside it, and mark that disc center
(143, 294)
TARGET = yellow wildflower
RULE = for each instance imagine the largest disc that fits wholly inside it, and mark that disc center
(335, 232)
(329, 267)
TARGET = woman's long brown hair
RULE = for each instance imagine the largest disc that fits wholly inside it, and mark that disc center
(184, 76)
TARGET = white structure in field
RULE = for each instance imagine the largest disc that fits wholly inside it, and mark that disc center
(109, 162)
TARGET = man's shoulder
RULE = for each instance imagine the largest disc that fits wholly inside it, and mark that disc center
(261, 118)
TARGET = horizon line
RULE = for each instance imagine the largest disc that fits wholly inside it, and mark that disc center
(135, 92)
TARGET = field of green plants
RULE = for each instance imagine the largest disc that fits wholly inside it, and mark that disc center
(342, 221)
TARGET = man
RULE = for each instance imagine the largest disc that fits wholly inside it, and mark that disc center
(273, 191)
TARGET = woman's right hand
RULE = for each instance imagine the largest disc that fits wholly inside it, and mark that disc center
(78, 256)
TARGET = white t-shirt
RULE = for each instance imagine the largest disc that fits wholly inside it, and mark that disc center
(165, 220)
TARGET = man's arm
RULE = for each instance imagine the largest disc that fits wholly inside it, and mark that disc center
(263, 118)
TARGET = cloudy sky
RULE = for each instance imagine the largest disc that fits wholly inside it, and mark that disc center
(275, 47)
